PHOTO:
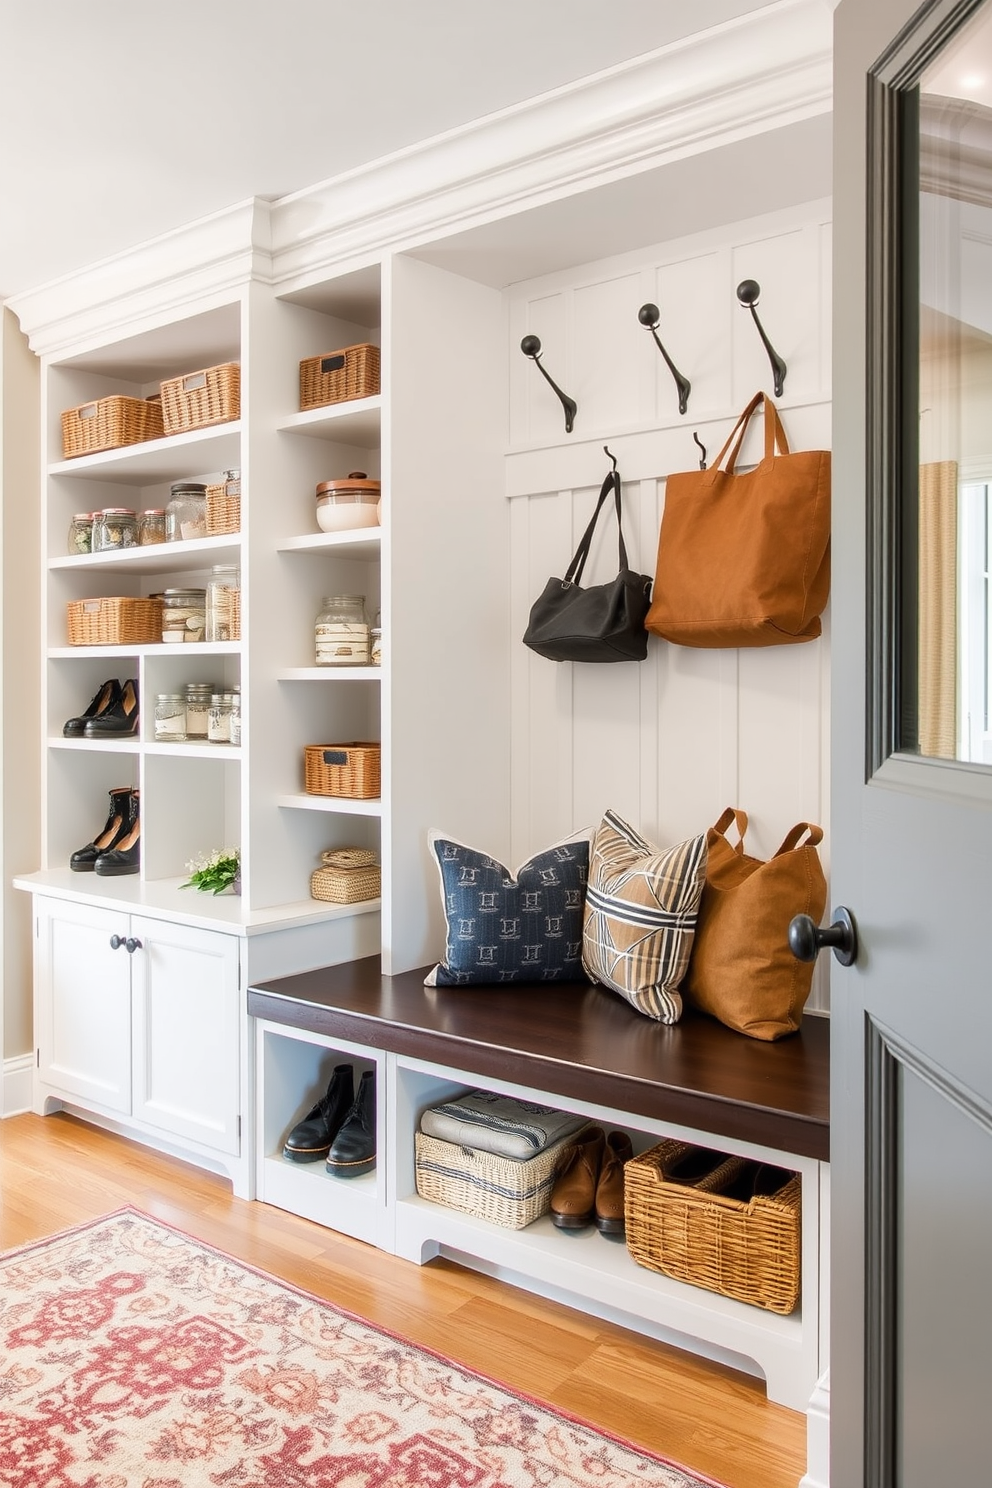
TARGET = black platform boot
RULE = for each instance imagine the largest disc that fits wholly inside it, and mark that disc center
(125, 856)
(311, 1138)
(120, 720)
(353, 1149)
(108, 697)
(118, 824)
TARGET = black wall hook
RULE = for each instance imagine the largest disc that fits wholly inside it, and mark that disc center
(649, 316)
(531, 347)
(748, 292)
(702, 447)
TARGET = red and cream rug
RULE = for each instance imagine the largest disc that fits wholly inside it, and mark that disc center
(133, 1356)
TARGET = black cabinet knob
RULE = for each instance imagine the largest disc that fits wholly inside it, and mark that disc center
(807, 939)
(116, 941)
(131, 945)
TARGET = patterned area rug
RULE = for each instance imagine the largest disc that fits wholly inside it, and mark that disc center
(132, 1356)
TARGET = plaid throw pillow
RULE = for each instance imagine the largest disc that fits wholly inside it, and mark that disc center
(640, 918)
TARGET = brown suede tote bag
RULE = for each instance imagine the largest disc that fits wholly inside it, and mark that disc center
(741, 969)
(744, 560)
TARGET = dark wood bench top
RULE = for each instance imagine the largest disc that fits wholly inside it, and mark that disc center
(576, 1040)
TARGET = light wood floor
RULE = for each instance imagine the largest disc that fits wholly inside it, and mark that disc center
(56, 1171)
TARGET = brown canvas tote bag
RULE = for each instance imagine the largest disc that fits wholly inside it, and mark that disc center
(744, 560)
(741, 969)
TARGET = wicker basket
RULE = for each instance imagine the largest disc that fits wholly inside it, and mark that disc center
(114, 621)
(745, 1249)
(349, 875)
(336, 376)
(211, 396)
(503, 1190)
(109, 423)
(223, 510)
(342, 770)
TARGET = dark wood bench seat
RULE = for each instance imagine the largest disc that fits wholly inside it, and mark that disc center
(578, 1041)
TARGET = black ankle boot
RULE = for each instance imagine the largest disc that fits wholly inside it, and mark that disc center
(108, 697)
(311, 1138)
(118, 824)
(125, 855)
(120, 719)
(353, 1149)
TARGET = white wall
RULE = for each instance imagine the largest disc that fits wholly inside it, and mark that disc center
(671, 741)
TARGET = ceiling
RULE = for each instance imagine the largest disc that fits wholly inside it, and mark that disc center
(120, 121)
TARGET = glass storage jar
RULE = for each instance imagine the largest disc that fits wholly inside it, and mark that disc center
(198, 696)
(341, 631)
(186, 513)
(223, 604)
(219, 718)
(375, 641)
(114, 527)
(151, 527)
(81, 533)
(170, 718)
(236, 715)
(183, 615)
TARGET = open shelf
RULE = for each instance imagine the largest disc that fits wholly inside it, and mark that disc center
(343, 805)
(156, 558)
(357, 422)
(363, 544)
(156, 460)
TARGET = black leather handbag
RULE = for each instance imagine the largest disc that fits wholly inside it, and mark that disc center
(602, 623)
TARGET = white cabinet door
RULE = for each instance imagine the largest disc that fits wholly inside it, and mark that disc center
(83, 1004)
(186, 1032)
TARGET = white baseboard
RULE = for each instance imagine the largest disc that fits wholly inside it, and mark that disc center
(818, 1436)
(17, 1085)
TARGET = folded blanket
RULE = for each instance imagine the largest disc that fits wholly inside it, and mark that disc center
(499, 1123)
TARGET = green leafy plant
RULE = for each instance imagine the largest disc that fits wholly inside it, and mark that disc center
(215, 871)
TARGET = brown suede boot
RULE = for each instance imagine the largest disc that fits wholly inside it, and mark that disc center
(609, 1189)
(573, 1197)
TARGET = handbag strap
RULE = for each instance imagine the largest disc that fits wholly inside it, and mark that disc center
(573, 574)
(774, 435)
(733, 814)
(799, 831)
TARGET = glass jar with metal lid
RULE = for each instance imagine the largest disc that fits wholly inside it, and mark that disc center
(151, 527)
(114, 527)
(184, 614)
(224, 603)
(81, 533)
(186, 513)
(236, 715)
(219, 718)
(341, 631)
(170, 718)
(198, 696)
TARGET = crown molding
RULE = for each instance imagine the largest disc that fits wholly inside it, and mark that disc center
(759, 72)
(201, 262)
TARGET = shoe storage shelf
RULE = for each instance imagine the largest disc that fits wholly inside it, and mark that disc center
(758, 1101)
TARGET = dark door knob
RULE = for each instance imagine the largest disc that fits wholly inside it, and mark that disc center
(116, 941)
(132, 944)
(807, 939)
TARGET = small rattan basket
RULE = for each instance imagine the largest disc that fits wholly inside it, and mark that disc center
(223, 509)
(504, 1190)
(746, 1249)
(336, 376)
(342, 770)
(210, 396)
(109, 423)
(114, 621)
(348, 875)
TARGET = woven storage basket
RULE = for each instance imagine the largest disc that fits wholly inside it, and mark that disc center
(503, 1190)
(211, 396)
(223, 510)
(342, 769)
(336, 376)
(114, 621)
(748, 1250)
(349, 875)
(109, 423)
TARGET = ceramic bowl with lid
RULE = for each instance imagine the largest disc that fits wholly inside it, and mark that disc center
(353, 502)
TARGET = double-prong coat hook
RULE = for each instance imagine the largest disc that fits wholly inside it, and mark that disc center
(531, 347)
(748, 292)
(649, 316)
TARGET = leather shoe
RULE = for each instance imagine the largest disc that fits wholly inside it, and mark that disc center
(353, 1150)
(311, 1138)
(107, 697)
(609, 1189)
(117, 825)
(125, 855)
(573, 1197)
(120, 719)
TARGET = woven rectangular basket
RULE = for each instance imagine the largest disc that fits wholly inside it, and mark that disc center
(342, 770)
(223, 510)
(348, 875)
(749, 1250)
(336, 376)
(505, 1190)
(114, 621)
(197, 399)
(109, 423)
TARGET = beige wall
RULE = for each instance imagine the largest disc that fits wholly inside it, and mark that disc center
(20, 785)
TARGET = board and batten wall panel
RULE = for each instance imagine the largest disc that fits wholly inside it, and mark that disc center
(668, 742)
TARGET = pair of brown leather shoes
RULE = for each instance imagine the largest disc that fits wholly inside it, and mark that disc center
(589, 1185)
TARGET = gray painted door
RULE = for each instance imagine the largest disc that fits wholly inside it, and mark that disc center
(911, 1346)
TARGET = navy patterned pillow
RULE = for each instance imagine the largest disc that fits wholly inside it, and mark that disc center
(511, 927)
